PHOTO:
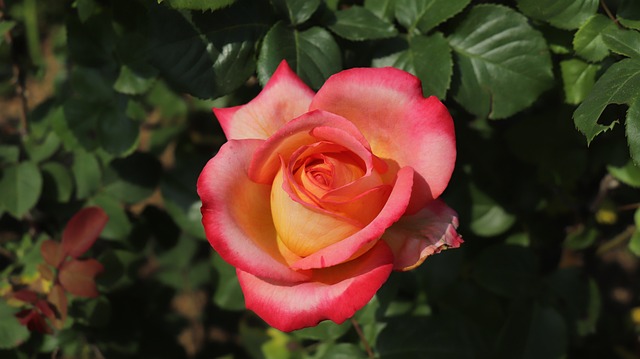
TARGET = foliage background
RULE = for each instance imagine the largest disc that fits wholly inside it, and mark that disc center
(107, 103)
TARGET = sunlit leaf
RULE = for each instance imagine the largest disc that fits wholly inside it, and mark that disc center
(424, 15)
(578, 78)
(587, 41)
(20, 188)
(504, 64)
(565, 14)
(357, 23)
(313, 54)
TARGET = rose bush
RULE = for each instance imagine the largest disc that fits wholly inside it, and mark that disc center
(316, 198)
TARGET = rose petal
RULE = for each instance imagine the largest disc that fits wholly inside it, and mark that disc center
(333, 293)
(303, 227)
(284, 98)
(401, 125)
(296, 134)
(236, 214)
(362, 240)
(413, 238)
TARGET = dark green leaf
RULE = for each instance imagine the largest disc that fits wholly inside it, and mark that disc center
(488, 218)
(180, 54)
(633, 130)
(133, 178)
(384, 9)
(506, 270)
(87, 174)
(424, 15)
(233, 34)
(578, 78)
(533, 332)
(9, 154)
(131, 83)
(57, 182)
(324, 331)
(119, 224)
(228, 294)
(198, 4)
(20, 188)
(357, 23)
(86, 8)
(91, 42)
(344, 351)
(587, 41)
(623, 42)
(297, 11)
(629, 174)
(629, 14)
(428, 57)
(580, 238)
(40, 150)
(313, 54)
(419, 337)
(619, 85)
(5, 27)
(565, 14)
(504, 64)
(12, 333)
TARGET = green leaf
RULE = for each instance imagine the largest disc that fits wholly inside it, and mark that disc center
(324, 331)
(623, 42)
(384, 9)
(633, 131)
(424, 15)
(180, 55)
(228, 294)
(297, 11)
(619, 85)
(506, 270)
(20, 188)
(133, 178)
(532, 331)
(86, 8)
(131, 83)
(580, 238)
(588, 43)
(629, 14)
(198, 4)
(419, 337)
(5, 27)
(233, 34)
(313, 54)
(357, 23)
(428, 57)
(12, 333)
(344, 351)
(578, 78)
(119, 225)
(87, 174)
(9, 154)
(57, 182)
(628, 174)
(488, 218)
(504, 64)
(564, 14)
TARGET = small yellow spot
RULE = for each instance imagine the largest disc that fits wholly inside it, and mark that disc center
(606, 215)
(635, 315)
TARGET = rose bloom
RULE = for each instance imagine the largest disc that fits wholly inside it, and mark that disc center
(317, 197)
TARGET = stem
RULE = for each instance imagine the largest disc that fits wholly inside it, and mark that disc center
(364, 340)
(616, 241)
(628, 207)
(609, 14)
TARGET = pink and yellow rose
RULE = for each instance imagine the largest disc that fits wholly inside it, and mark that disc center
(317, 197)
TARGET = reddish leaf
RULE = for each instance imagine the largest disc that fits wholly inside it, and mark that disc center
(52, 252)
(82, 230)
(26, 295)
(33, 320)
(78, 277)
(46, 308)
(58, 298)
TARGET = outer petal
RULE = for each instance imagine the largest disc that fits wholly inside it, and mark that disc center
(284, 98)
(333, 293)
(364, 239)
(236, 214)
(413, 238)
(387, 106)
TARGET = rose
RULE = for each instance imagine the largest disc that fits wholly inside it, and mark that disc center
(316, 198)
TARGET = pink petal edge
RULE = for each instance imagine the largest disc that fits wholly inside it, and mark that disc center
(236, 214)
(283, 98)
(388, 107)
(333, 293)
(413, 238)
